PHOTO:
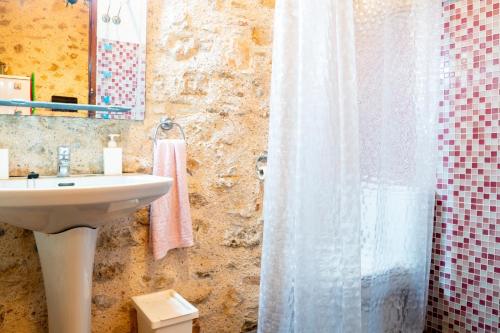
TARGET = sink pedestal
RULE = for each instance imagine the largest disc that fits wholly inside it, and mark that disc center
(79, 205)
(67, 260)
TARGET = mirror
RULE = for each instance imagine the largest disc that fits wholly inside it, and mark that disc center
(87, 54)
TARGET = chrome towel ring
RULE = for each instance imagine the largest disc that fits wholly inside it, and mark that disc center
(167, 124)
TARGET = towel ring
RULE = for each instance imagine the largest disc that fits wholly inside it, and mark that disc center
(167, 124)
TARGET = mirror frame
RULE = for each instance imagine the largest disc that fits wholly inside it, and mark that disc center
(92, 62)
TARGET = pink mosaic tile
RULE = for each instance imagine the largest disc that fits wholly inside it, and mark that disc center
(121, 78)
(464, 290)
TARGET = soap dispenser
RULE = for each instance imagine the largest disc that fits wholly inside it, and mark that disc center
(112, 157)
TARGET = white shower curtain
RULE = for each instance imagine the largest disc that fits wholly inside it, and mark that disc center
(350, 187)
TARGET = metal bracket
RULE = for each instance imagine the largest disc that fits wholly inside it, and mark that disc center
(261, 166)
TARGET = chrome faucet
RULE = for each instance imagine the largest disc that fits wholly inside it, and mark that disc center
(63, 159)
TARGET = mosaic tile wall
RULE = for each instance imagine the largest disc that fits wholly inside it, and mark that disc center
(465, 270)
(121, 77)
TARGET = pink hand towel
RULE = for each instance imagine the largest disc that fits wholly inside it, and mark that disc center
(171, 225)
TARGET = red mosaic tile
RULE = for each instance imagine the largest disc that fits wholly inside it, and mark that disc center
(464, 284)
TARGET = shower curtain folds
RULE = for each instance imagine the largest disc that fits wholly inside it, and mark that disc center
(350, 188)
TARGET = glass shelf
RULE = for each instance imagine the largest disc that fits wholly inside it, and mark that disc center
(63, 106)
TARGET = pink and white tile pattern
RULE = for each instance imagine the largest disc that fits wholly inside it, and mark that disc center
(464, 290)
(121, 78)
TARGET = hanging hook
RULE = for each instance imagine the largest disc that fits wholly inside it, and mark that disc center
(116, 19)
(105, 17)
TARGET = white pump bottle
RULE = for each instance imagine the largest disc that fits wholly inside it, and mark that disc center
(113, 157)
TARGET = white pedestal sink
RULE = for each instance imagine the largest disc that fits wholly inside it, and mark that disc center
(64, 214)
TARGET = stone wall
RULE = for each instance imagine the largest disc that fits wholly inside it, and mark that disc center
(48, 39)
(208, 65)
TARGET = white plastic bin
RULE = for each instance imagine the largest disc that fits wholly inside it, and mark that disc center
(164, 312)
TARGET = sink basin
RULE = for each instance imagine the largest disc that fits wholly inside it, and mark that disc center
(51, 205)
(64, 214)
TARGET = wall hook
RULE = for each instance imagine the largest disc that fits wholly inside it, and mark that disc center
(116, 19)
(261, 166)
(105, 17)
